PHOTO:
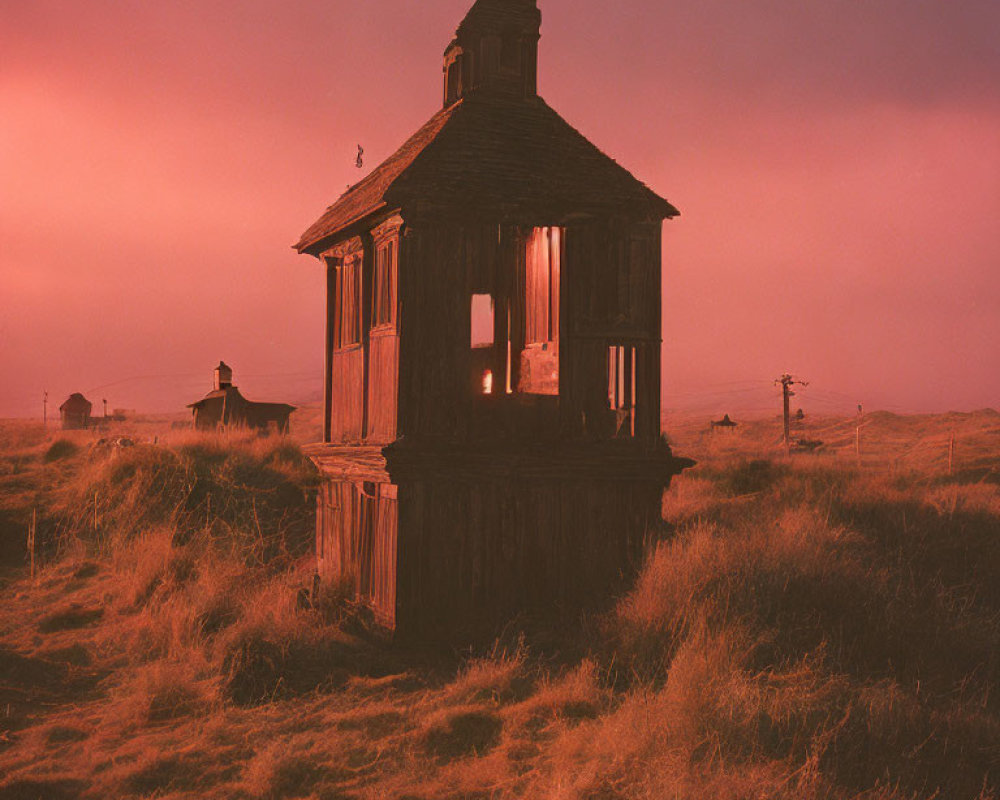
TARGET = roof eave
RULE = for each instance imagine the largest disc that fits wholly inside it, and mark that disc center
(357, 226)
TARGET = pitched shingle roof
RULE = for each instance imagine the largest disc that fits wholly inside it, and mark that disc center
(506, 158)
(76, 402)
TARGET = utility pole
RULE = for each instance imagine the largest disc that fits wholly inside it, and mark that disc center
(105, 401)
(45, 409)
(787, 381)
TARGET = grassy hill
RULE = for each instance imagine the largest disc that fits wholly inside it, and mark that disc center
(808, 627)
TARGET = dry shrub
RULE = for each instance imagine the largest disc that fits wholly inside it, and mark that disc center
(60, 449)
(64, 734)
(293, 768)
(174, 692)
(38, 788)
(749, 477)
(797, 581)
(142, 565)
(86, 570)
(132, 489)
(501, 677)
(972, 498)
(162, 692)
(250, 491)
(261, 665)
(573, 697)
(885, 729)
(183, 593)
(70, 618)
(689, 499)
(277, 649)
(830, 639)
(464, 731)
(160, 775)
(713, 730)
(72, 654)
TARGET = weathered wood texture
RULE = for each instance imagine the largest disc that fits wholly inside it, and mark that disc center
(383, 374)
(356, 542)
(362, 389)
(529, 468)
(472, 554)
(346, 395)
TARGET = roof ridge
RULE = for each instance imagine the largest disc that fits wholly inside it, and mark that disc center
(494, 153)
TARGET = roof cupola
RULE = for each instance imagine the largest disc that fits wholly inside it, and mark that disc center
(223, 376)
(495, 49)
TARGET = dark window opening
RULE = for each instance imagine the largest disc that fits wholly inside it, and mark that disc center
(384, 297)
(510, 56)
(454, 80)
(621, 388)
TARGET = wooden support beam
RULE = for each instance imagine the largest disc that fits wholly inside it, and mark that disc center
(331, 298)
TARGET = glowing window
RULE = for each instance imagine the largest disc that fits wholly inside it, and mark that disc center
(621, 388)
(482, 320)
(543, 265)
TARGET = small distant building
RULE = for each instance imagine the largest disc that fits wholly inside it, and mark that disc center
(725, 422)
(75, 412)
(225, 407)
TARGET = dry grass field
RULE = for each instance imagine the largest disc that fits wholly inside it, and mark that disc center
(809, 627)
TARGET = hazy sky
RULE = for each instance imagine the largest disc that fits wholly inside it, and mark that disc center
(836, 163)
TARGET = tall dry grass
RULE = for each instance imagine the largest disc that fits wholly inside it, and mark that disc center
(807, 630)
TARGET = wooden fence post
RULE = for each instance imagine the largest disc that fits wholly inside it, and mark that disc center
(31, 541)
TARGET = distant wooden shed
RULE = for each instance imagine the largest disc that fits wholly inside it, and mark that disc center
(226, 407)
(492, 415)
(75, 412)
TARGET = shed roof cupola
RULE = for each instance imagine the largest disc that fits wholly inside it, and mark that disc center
(495, 49)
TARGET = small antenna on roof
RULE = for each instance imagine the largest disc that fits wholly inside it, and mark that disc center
(361, 157)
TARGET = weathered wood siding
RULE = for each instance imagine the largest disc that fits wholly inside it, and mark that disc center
(611, 296)
(383, 386)
(356, 527)
(506, 503)
(472, 555)
(438, 263)
(347, 394)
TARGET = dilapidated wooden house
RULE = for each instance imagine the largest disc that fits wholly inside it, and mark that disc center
(492, 422)
(75, 413)
(226, 408)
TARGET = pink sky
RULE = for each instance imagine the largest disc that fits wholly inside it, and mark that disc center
(836, 163)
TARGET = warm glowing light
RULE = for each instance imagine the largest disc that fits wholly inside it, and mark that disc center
(488, 382)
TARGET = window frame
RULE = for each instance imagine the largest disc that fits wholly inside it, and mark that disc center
(623, 395)
(385, 285)
(547, 243)
(353, 266)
